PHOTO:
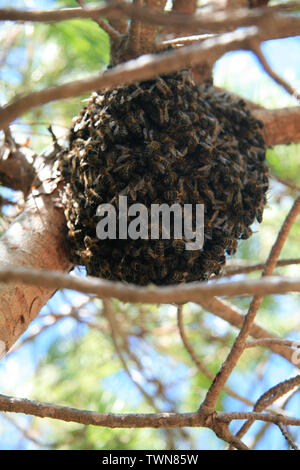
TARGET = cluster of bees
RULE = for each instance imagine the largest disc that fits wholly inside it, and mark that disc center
(163, 141)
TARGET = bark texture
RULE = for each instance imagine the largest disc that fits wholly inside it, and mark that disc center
(35, 239)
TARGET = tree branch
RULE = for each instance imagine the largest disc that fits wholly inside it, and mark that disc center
(281, 126)
(235, 317)
(239, 344)
(184, 293)
(112, 32)
(200, 365)
(267, 18)
(255, 47)
(35, 239)
(143, 68)
(16, 168)
(233, 270)
(132, 420)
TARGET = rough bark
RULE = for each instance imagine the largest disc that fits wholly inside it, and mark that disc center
(35, 239)
(281, 126)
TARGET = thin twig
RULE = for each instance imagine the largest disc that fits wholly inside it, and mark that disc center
(239, 344)
(286, 435)
(267, 341)
(269, 267)
(199, 363)
(110, 315)
(286, 182)
(234, 270)
(268, 398)
(255, 47)
(112, 32)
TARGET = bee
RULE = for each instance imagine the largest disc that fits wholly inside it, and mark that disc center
(213, 266)
(183, 121)
(81, 201)
(90, 144)
(218, 250)
(170, 195)
(152, 148)
(171, 178)
(205, 149)
(136, 265)
(191, 140)
(105, 271)
(178, 276)
(85, 255)
(88, 178)
(259, 215)
(163, 114)
(149, 254)
(106, 131)
(107, 179)
(123, 157)
(76, 235)
(204, 188)
(178, 246)
(194, 117)
(89, 242)
(141, 187)
(133, 125)
(247, 232)
(160, 247)
(95, 197)
(75, 163)
(126, 170)
(162, 271)
(122, 132)
(140, 115)
(231, 246)
(162, 87)
(116, 254)
(158, 167)
(134, 251)
(135, 94)
(64, 169)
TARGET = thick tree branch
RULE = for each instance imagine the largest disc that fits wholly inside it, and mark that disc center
(281, 126)
(131, 293)
(16, 165)
(132, 420)
(220, 21)
(144, 67)
(149, 31)
(34, 239)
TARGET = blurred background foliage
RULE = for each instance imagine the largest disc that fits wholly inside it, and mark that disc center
(69, 355)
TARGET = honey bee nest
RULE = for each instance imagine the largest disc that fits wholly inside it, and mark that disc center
(163, 141)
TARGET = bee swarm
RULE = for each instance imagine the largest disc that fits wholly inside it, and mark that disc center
(163, 140)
